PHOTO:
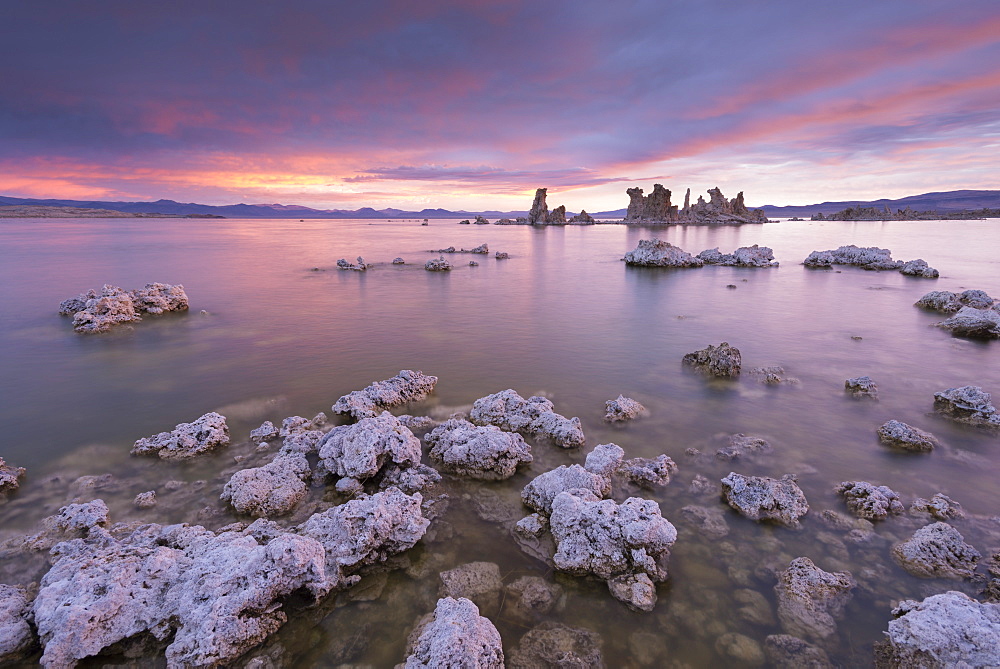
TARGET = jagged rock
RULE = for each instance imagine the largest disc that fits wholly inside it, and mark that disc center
(968, 404)
(302, 441)
(611, 541)
(479, 582)
(900, 435)
(366, 530)
(765, 498)
(553, 644)
(648, 473)
(465, 222)
(456, 636)
(266, 432)
(407, 386)
(709, 521)
(975, 323)
(740, 649)
(398, 261)
(438, 264)
(722, 360)
(720, 211)
(480, 452)
(539, 210)
(271, 490)
(557, 216)
(939, 506)
(359, 266)
(9, 477)
(701, 486)
(187, 439)
(509, 411)
(870, 258)
(294, 425)
(501, 255)
(741, 445)
(978, 299)
(214, 596)
(99, 312)
(531, 597)
(16, 637)
(789, 652)
(450, 249)
(360, 450)
(544, 488)
(656, 253)
(409, 479)
(483, 249)
(481, 221)
(605, 460)
(869, 501)
(473, 263)
(937, 551)
(145, 500)
(809, 599)
(942, 631)
(919, 267)
(943, 301)
(158, 298)
(653, 207)
(861, 387)
(582, 217)
(622, 409)
(82, 517)
(745, 256)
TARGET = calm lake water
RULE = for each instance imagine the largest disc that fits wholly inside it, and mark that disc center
(286, 333)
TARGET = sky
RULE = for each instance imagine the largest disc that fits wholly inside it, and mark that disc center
(472, 105)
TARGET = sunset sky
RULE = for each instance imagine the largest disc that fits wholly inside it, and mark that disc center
(473, 105)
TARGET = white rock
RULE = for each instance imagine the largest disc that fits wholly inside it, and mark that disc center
(509, 411)
(360, 450)
(479, 452)
(457, 636)
(187, 439)
(407, 386)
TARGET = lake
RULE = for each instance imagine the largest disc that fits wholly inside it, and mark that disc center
(275, 330)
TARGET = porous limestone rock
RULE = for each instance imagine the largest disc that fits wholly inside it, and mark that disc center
(186, 440)
(266, 432)
(943, 301)
(456, 636)
(722, 360)
(784, 651)
(99, 312)
(978, 299)
(539, 212)
(919, 267)
(145, 500)
(479, 582)
(553, 644)
(544, 488)
(583, 217)
(619, 543)
(861, 387)
(708, 521)
(622, 409)
(974, 323)
(557, 216)
(360, 450)
(501, 255)
(648, 472)
(438, 264)
(398, 261)
(766, 498)
(530, 598)
(481, 452)
(900, 435)
(480, 220)
(82, 517)
(535, 415)
(869, 501)
(16, 637)
(482, 248)
(968, 404)
(870, 258)
(656, 253)
(9, 477)
(809, 599)
(158, 298)
(937, 551)
(745, 256)
(359, 266)
(604, 460)
(214, 596)
(409, 479)
(271, 490)
(742, 445)
(946, 630)
(407, 386)
(939, 506)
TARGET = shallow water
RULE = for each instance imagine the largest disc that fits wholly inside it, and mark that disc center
(287, 333)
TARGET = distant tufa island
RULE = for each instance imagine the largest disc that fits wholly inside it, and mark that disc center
(908, 214)
(41, 211)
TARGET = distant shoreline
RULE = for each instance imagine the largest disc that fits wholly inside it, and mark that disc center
(36, 211)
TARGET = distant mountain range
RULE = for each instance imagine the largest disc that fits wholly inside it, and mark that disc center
(944, 202)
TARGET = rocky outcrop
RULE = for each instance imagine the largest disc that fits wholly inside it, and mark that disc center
(974, 323)
(764, 498)
(868, 257)
(557, 216)
(861, 387)
(869, 501)
(919, 267)
(159, 298)
(535, 415)
(648, 472)
(398, 261)
(407, 386)
(656, 253)
(622, 409)
(455, 636)
(539, 212)
(481, 221)
(360, 450)
(553, 644)
(810, 599)
(948, 302)
(99, 312)
(501, 255)
(722, 360)
(544, 488)
(940, 506)
(266, 432)
(946, 630)
(186, 440)
(76, 518)
(745, 256)
(10, 477)
(16, 637)
(657, 208)
(479, 452)
(583, 217)
(968, 404)
(438, 264)
(359, 266)
(741, 446)
(271, 490)
(937, 551)
(906, 437)
(625, 544)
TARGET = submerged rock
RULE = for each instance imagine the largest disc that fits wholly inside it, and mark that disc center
(648, 473)
(501, 255)
(438, 264)
(870, 258)
(82, 517)
(946, 630)
(764, 498)
(861, 387)
(741, 445)
(266, 432)
(919, 267)
(456, 636)
(10, 477)
(398, 261)
(745, 256)
(656, 253)
(360, 450)
(740, 649)
(509, 411)
(158, 298)
(187, 439)
(407, 386)
(480, 452)
(809, 599)
(622, 409)
(906, 437)
(708, 521)
(722, 360)
(553, 644)
(359, 266)
(968, 404)
(784, 651)
(869, 501)
(479, 582)
(939, 506)
(975, 323)
(544, 488)
(16, 637)
(271, 490)
(937, 551)
(531, 597)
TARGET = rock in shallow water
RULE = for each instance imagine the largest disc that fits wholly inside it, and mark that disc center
(535, 415)
(656, 253)
(187, 440)
(543, 489)
(407, 386)
(360, 450)
(745, 256)
(722, 360)
(9, 477)
(906, 437)
(870, 257)
(968, 404)
(869, 501)
(937, 551)
(16, 637)
(765, 498)
(861, 387)
(809, 599)
(622, 409)
(479, 452)
(553, 644)
(974, 323)
(456, 636)
(271, 490)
